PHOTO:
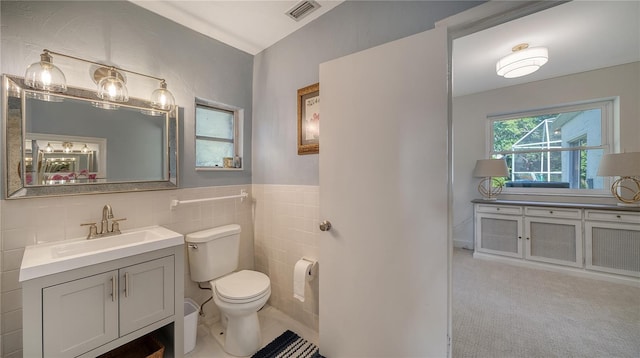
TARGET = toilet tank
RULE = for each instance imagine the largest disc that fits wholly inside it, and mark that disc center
(213, 252)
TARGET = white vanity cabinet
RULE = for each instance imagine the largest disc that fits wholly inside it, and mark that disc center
(82, 314)
(89, 311)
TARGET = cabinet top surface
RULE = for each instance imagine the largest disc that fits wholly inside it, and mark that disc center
(51, 258)
(557, 204)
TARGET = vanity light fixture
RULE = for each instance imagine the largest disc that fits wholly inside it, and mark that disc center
(488, 168)
(111, 85)
(44, 75)
(522, 61)
(110, 80)
(67, 147)
(626, 166)
(48, 148)
(85, 149)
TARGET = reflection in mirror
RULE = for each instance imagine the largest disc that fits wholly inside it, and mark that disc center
(74, 143)
(64, 159)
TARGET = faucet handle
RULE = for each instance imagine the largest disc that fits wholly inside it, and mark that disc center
(93, 230)
(115, 225)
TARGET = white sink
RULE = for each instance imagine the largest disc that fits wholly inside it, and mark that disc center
(50, 258)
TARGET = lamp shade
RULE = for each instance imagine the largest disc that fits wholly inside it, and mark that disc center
(522, 61)
(620, 164)
(491, 168)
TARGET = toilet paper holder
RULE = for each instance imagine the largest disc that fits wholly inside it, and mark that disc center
(313, 269)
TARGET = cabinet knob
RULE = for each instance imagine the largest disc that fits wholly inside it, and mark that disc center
(550, 211)
(527, 238)
(519, 237)
(618, 216)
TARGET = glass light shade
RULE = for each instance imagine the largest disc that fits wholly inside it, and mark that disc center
(112, 88)
(45, 76)
(522, 62)
(162, 98)
(620, 164)
(491, 168)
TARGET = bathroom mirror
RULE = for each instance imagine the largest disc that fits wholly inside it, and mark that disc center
(74, 143)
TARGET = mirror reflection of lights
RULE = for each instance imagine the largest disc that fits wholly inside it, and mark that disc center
(48, 148)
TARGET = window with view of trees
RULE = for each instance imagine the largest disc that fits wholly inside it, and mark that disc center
(556, 149)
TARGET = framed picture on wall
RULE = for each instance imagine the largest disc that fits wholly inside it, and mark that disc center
(309, 119)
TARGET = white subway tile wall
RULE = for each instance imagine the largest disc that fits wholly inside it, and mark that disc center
(286, 229)
(30, 221)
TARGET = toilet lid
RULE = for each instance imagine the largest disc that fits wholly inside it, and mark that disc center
(242, 285)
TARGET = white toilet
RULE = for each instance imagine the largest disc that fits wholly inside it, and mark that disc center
(213, 257)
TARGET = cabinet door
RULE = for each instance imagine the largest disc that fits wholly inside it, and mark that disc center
(499, 234)
(613, 247)
(79, 315)
(146, 294)
(555, 241)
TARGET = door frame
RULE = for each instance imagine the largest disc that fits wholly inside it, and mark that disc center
(476, 19)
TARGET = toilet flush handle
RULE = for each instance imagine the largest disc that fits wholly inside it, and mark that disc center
(193, 246)
(325, 225)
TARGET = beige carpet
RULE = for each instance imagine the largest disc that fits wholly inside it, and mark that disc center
(501, 310)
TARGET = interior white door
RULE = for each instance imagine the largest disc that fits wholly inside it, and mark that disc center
(384, 188)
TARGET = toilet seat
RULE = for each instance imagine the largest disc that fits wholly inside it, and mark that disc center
(243, 286)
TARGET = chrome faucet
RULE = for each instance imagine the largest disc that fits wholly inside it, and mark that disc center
(107, 214)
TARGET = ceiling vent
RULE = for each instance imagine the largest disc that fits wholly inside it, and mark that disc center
(302, 9)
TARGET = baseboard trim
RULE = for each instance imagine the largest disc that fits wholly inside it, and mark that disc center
(463, 244)
(629, 281)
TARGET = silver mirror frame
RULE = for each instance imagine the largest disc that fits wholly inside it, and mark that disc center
(13, 134)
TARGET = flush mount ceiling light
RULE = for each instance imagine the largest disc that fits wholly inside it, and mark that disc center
(43, 75)
(522, 61)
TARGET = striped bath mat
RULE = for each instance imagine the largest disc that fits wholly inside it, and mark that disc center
(287, 345)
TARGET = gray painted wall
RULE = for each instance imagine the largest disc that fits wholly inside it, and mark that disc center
(136, 39)
(292, 63)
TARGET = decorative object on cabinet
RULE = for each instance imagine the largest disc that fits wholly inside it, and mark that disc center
(142, 150)
(111, 82)
(309, 119)
(522, 61)
(487, 169)
(627, 167)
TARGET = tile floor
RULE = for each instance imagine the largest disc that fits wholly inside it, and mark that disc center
(272, 324)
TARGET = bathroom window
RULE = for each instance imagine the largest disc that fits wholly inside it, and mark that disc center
(556, 150)
(218, 137)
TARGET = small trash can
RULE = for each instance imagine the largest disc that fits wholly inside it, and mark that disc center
(191, 310)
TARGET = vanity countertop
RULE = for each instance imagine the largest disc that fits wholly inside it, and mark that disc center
(55, 257)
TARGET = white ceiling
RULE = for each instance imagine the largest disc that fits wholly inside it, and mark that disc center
(250, 26)
(580, 36)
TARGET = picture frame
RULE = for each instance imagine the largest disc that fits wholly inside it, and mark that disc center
(309, 119)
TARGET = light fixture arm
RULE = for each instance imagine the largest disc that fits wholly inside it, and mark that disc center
(48, 53)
